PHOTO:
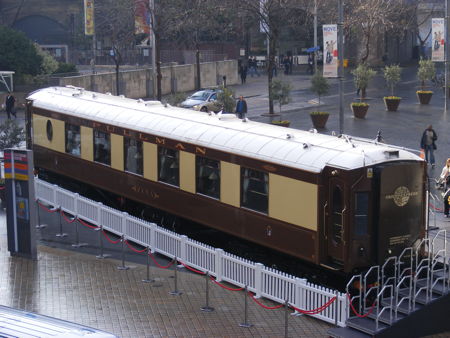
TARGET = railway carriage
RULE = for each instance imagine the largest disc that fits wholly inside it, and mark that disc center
(339, 202)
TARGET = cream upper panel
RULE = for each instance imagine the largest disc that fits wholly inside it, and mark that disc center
(40, 126)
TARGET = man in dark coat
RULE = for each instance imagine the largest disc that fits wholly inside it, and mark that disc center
(241, 107)
(9, 105)
(427, 143)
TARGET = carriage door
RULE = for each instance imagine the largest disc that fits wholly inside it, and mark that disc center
(335, 221)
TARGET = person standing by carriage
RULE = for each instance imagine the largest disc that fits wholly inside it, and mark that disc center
(427, 143)
(9, 105)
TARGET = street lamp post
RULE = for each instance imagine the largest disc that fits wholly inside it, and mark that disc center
(341, 64)
(153, 44)
(446, 50)
(315, 36)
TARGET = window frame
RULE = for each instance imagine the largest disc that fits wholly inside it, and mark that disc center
(139, 156)
(67, 128)
(175, 179)
(246, 179)
(108, 138)
(209, 186)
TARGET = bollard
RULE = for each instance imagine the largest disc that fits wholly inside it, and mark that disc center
(77, 243)
(100, 239)
(175, 292)
(286, 316)
(245, 324)
(123, 266)
(39, 225)
(61, 233)
(207, 308)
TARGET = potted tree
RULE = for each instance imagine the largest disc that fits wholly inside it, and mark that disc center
(392, 75)
(225, 98)
(320, 86)
(362, 76)
(281, 93)
(425, 72)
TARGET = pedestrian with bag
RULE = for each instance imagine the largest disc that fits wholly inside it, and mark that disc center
(427, 143)
(9, 105)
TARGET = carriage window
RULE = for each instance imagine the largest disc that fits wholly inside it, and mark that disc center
(168, 166)
(102, 147)
(73, 139)
(133, 155)
(208, 177)
(255, 189)
(337, 225)
(361, 213)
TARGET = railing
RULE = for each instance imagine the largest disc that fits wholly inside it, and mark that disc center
(263, 281)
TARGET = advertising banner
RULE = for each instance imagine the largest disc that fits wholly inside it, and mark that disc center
(263, 27)
(89, 17)
(330, 52)
(142, 21)
(438, 42)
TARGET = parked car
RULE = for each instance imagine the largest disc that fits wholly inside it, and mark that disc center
(204, 100)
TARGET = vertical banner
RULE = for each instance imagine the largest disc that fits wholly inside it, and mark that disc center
(330, 52)
(142, 20)
(263, 27)
(89, 17)
(438, 42)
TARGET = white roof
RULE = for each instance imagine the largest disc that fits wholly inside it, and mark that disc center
(285, 146)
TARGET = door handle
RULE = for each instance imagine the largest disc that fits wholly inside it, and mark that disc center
(325, 220)
(342, 224)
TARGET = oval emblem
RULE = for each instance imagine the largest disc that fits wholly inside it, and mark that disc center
(401, 196)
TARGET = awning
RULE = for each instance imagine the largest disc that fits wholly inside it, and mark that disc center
(312, 49)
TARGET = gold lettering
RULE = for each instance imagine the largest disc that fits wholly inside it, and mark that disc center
(110, 129)
(126, 133)
(96, 125)
(180, 146)
(160, 140)
(142, 137)
(200, 150)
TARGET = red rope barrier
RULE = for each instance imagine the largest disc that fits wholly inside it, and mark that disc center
(356, 312)
(225, 287)
(86, 224)
(46, 209)
(109, 240)
(192, 269)
(262, 305)
(2, 188)
(315, 311)
(66, 218)
(435, 208)
(160, 266)
(133, 249)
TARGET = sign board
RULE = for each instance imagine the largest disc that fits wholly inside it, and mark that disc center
(89, 28)
(20, 206)
(330, 57)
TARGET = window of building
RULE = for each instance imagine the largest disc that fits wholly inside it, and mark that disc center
(102, 147)
(208, 176)
(73, 139)
(133, 156)
(255, 190)
(361, 213)
(168, 166)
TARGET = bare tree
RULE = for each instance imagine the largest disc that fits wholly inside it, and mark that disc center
(115, 24)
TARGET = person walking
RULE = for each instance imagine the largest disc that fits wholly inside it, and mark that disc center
(427, 143)
(241, 107)
(9, 105)
(444, 178)
(243, 73)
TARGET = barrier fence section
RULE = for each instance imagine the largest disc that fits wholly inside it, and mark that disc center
(263, 281)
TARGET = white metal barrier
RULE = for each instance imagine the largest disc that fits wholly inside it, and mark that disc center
(263, 281)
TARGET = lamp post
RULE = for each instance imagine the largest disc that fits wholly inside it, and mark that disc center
(153, 44)
(341, 64)
(446, 50)
(315, 36)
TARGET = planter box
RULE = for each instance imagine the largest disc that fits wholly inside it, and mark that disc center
(359, 111)
(424, 98)
(281, 123)
(391, 104)
(320, 120)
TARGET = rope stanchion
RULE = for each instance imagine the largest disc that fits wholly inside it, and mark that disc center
(245, 323)
(47, 209)
(315, 311)
(67, 219)
(286, 318)
(133, 249)
(123, 266)
(207, 308)
(161, 266)
(100, 242)
(192, 269)
(264, 306)
(356, 312)
(225, 287)
(87, 225)
(61, 234)
(148, 279)
(77, 243)
(39, 225)
(175, 292)
(434, 207)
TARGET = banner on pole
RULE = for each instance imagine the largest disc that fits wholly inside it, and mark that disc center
(330, 51)
(263, 27)
(89, 17)
(438, 42)
(142, 22)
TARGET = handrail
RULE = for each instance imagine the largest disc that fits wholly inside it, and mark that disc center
(379, 313)
(383, 270)
(347, 289)
(409, 297)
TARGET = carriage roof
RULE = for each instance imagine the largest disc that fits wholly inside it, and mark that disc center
(285, 146)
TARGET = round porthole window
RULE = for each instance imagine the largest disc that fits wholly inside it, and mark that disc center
(49, 130)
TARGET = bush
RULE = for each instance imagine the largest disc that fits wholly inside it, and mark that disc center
(281, 92)
(319, 113)
(176, 98)
(319, 85)
(362, 76)
(226, 99)
(426, 71)
(392, 75)
(11, 135)
(66, 68)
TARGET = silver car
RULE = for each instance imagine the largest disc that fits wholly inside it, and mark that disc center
(203, 100)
